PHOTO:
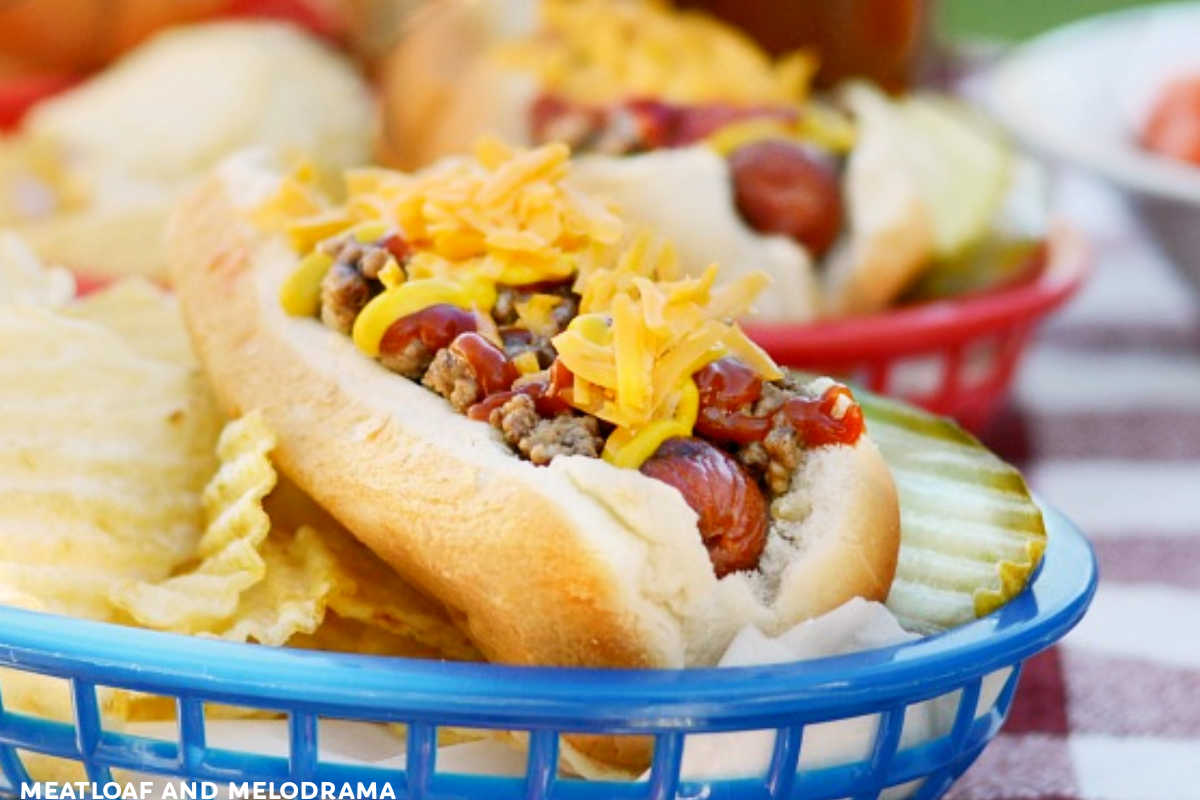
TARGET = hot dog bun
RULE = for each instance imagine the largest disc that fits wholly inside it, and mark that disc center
(577, 563)
(439, 89)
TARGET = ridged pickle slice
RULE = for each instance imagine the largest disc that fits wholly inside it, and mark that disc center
(958, 164)
(971, 534)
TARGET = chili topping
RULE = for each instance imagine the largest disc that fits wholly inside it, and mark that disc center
(624, 358)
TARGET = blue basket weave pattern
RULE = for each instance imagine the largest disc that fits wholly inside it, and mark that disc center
(667, 704)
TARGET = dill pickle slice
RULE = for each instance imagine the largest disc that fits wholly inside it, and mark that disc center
(993, 263)
(971, 534)
(959, 163)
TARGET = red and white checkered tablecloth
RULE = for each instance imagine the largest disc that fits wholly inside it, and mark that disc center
(1105, 421)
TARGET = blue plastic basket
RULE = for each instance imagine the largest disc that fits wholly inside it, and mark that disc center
(667, 704)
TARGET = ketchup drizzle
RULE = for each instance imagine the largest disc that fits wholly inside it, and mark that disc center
(435, 327)
(727, 387)
(493, 370)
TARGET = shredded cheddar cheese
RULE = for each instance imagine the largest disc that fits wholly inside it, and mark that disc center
(505, 214)
(526, 363)
(392, 275)
(468, 225)
(641, 334)
(501, 217)
(296, 199)
(537, 313)
(597, 51)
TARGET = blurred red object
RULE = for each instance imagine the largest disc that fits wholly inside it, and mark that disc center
(955, 357)
(87, 284)
(20, 90)
(18, 93)
(1173, 128)
(80, 35)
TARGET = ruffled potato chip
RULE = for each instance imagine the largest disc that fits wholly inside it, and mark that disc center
(208, 594)
(94, 195)
(142, 314)
(122, 500)
(104, 450)
(339, 634)
(103, 453)
(24, 281)
(373, 611)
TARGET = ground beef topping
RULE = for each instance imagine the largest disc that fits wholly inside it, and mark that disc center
(505, 309)
(352, 281)
(784, 451)
(344, 249)
(344, 292)
(372, 261)
(769, 459)
(540, 440)
(516, 419)
(776, 457)
(775, 394)
(452, 376)
(566, 435)
(411, 361)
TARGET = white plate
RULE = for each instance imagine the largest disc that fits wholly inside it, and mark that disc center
(1080, 92)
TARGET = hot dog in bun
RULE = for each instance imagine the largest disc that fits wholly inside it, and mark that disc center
(848, 201)
(560, 436)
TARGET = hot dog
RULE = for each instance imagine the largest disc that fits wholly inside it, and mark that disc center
(659, 97)
(627, 483)
(781, 189)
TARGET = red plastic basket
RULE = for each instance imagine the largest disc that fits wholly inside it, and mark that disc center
(955, 357)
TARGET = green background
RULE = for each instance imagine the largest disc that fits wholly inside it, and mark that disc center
(1015, 19)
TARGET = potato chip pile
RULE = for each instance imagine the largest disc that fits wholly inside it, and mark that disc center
(23, 279)
(595, 51)
(125, 496)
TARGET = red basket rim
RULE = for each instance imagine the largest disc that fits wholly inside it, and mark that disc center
(932, 325)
